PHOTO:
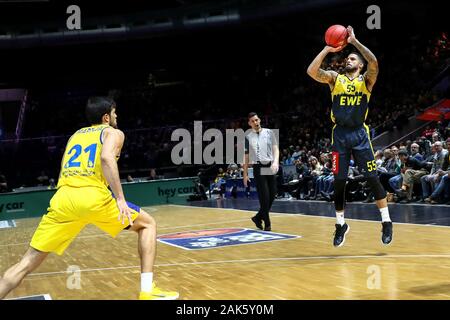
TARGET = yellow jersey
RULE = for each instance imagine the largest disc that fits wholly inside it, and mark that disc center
(350, 98)
(81, 165)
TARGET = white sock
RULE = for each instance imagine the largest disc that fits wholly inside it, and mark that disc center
(385, 215)
(340, 217)
(146, 281)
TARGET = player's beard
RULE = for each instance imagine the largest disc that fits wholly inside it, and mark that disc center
(349, 68)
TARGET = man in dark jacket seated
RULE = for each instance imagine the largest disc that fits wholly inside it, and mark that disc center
(412, 170)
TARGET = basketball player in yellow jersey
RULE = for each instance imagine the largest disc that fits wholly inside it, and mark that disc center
(88, 167)
(350, 94)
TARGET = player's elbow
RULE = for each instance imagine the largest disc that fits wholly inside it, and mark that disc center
(310, 72)
(373, 63)
(106, 158)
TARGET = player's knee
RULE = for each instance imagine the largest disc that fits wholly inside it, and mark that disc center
(146, 220)
(376, 188)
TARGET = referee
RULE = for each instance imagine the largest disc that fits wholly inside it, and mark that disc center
(261, 150)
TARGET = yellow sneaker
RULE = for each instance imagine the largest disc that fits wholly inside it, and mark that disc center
(158, 294)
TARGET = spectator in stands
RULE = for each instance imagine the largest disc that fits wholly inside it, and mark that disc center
(324, 173)
(396, 181)
(394, 151)
(443, 185)
(153, 175)
(297, 153)
(304, 177)
(447, 130)
(218, 186)
(415, 152)
(326, 180)
(3, 183)
(424, 145)
(412, 171)
(233, 172)
(435, 137)
(379, 158)
(354, 188)
(429, 181)
(52, 183)
(43, 179)
(316, 171)
(286, 158)
(389, 168)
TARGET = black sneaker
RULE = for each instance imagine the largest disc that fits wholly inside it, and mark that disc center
(339, 234)
(257, 222)
(386, 236)
(268, 228)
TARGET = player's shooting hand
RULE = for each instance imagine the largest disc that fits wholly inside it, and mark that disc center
(333, 49)
(124, 211)
(351, 34)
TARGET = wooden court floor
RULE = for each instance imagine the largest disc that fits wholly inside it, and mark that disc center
(415, 266)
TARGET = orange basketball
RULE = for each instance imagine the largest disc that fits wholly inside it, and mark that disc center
(336, 35)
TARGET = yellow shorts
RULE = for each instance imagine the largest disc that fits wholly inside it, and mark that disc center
(71, 209)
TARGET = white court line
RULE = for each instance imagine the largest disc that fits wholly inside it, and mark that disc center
(291, 214)
(395, 256)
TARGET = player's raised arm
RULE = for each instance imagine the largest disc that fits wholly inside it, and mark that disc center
(372, 63)
(320, 75)
(112, 144)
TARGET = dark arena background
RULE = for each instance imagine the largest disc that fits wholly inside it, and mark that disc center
(168, 64)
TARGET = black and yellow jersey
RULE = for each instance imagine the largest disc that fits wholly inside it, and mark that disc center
(350, 100)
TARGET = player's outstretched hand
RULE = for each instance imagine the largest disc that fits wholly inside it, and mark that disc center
(351, 34)
(124, 211)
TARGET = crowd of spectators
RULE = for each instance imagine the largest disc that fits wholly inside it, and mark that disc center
(412, 171)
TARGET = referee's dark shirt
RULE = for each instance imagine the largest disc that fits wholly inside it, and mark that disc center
(259, 145)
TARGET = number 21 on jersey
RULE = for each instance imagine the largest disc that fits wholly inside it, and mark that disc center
(75, 153)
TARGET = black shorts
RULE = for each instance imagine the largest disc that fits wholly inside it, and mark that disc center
(352, 141)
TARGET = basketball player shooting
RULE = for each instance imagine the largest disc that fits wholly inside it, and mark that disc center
(350, 95)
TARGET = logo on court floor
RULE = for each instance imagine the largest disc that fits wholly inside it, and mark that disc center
(7, 224)
(215, 238)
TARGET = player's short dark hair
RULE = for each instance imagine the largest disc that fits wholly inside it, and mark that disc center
(360, 57)
(251, 115)
(97, 107)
